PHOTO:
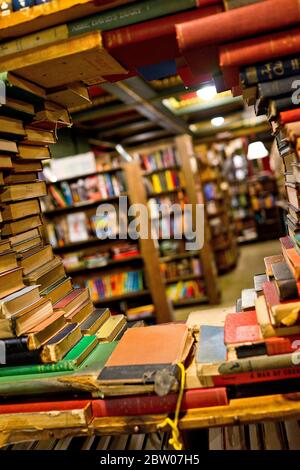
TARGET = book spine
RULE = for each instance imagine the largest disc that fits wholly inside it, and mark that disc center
(259, 363)
(256, 376)
(61, 366)
(31, 41)
(153, 404)
(251, 20)
(269, 71)
(259, 49)
(127, 15)
(291, 115)
(277, 87)
(161, 28)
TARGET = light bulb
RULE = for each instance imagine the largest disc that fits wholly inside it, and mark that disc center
(207, 93)
(217, 121)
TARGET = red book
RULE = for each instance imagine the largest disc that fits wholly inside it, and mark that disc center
(256, 376)
(189, 79)
(151, 41)
(44, 406)
(198, 39)
(291, 256)
(153, 404)
(250, 51)
(238, 23)
(291, 115)
(241, 327)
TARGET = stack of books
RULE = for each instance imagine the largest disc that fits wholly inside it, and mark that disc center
(44, 320)
(260, 342)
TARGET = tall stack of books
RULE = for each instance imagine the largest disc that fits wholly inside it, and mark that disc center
(43, 318)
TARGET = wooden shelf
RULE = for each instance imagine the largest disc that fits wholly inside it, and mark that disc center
(192, 301)
(169, 258)
(187, 277)
(49, 14)
(76, 178)
(80, 205)
(165, 193)
(70, 246)
(113, 262)
(119, 298)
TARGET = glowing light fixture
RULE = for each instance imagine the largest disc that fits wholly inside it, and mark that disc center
(257, 150)
(207, 93)
(121, 151)
(217, 121)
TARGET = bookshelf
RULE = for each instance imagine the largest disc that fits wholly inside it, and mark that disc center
(119, 273)
(189, 276)
(216, 191)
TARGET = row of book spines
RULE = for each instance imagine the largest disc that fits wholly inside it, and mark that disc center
(166, 181)
(134, 405)
(170, 270)
(16, 5)
(66, 194)
(185, 289)
(115, 284)
(122, 16)
(161, 159)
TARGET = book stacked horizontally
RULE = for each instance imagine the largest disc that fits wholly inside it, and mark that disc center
(43, 318)
(259, 344)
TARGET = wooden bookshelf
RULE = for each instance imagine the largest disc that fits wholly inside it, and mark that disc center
(181, 146)
(217, 196)
(146, 262)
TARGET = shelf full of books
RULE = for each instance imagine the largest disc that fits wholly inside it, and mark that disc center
(216, 190)
(166, 171)
(92, 249)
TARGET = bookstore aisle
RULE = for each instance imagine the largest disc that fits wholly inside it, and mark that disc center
(150, 226)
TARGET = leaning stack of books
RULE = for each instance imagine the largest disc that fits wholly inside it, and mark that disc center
(259, 344)
(44, 320)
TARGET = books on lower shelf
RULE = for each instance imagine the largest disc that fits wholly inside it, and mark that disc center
(181, 267)
(184, 290)
(114, 285)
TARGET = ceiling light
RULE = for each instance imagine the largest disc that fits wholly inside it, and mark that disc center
(257, 150)
(217, 121)
(121, 151)
(207, 93)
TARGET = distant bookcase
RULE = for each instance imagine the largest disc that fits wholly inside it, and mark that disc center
(120, 273)
(217, 197)
(190, 276)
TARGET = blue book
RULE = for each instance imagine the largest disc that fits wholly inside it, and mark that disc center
(158, 71)
(19, 4)
(211, 347)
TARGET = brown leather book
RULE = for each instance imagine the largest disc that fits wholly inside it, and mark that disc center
(148, 355)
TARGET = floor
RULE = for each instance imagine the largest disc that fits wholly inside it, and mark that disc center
(251, 261)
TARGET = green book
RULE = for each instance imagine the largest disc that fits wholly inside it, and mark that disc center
(129, 14)
(60, 382)
(70, 362)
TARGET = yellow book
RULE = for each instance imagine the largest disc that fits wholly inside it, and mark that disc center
(111, 328)
(169, 180)
(156, 184)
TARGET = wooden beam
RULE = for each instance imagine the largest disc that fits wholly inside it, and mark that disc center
(137, 195)
(185, 148)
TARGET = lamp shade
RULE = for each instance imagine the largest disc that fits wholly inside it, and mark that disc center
(257, 150)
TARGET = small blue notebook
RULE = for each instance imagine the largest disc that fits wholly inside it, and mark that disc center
(211, 347)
